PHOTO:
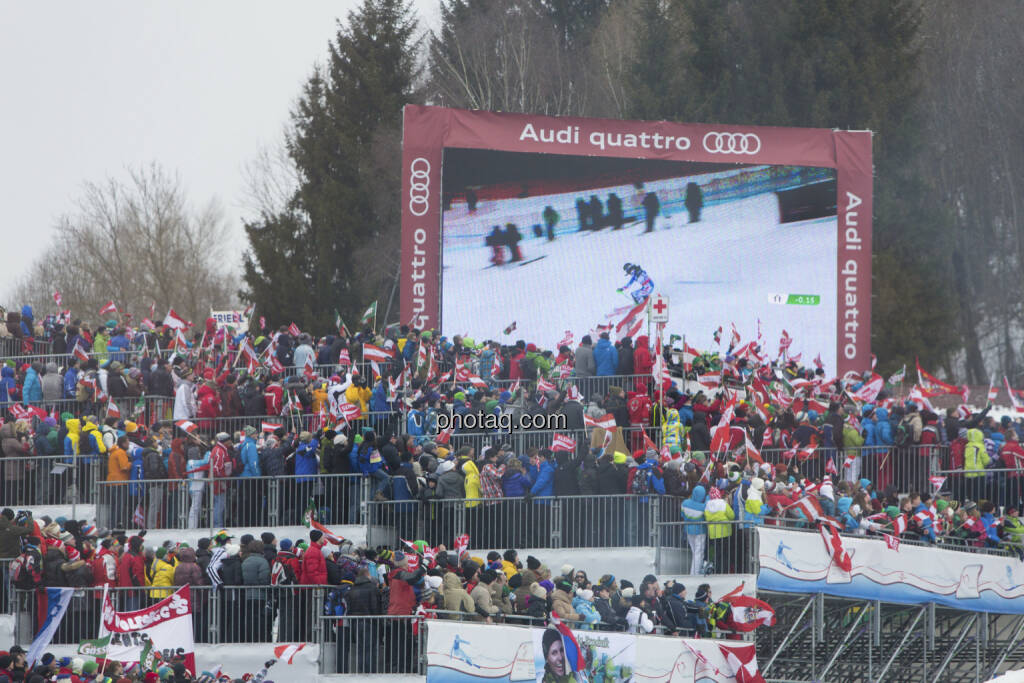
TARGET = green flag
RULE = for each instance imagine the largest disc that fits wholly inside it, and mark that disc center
(94, 648)
(370, 314)
(149, 659)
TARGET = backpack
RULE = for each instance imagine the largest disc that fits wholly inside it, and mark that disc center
(282, 574)
(25, 570)
(903, 434)
(528, 368)
(641, 482)
(153, 465)
(236, 462)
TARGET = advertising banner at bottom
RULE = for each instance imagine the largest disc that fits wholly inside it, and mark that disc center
(461, 652)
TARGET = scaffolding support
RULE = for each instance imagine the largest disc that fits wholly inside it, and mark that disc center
(842, 644)
(789, 635)
(1007, 650)
(903, 643)
(956, 646)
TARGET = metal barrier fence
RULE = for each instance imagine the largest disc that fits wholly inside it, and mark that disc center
(592, 388)
(231, 501)
(522, 440)
(229, 614)
(1003, 486)
(537, 522)
(17, 348)
(50, 480)
(372, 644)
(701, 548)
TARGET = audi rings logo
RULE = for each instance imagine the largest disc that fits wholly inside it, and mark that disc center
(419, 186)
(732, 143)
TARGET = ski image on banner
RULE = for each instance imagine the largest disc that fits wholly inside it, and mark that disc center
(167, 624)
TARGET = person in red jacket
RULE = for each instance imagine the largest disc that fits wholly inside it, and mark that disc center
(209, 406)
(104, 567)
(314, 567)
(131, 572)
(273, 397)
(514, 371)
(643, 362)
(401, 602)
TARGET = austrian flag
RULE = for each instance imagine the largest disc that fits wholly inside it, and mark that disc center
(561, 442)
(288, 652)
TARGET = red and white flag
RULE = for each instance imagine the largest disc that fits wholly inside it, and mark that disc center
(607, 421)
(869, 392)
(270, 426)
(109, 307)
(274, 364)
(287, 652)
(179, 342)
(830, 466)
(573, 394)
(993, 389)
(444, 436)
(329, 536)
(375, 353)
(851, 458)
(544, 386)
(785, 341)
(835, 548)
(752, 452)
(720, 437)
(294, 330)
(1013, 396)
(892, 542)
(147, 324)
(476, 381)
(748, 612)
(139, 517)
(58, 299)
(743, 662)
(186, 426)
(308, 369)
(561, 442)
(175, 321)
(689, 355)
(818, 362)
(627, 320)
(79, 353)
(937, 481)
(899, 525)
(350, 411)
(113, 410)
(461, 545)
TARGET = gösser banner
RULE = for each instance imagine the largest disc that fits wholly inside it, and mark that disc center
(429, 131)
(167, 624)
(462, 651)
(797, 562)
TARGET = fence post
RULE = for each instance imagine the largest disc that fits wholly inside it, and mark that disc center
(364, 496)
(556, 523)
(272, 498)
(215, 596)
(655, 516)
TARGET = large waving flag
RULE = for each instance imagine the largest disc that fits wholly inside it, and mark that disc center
(57, 600)
(571, 648)
(174, 321)
(748, 613)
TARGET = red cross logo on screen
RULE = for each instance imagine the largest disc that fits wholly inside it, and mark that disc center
(659, 306)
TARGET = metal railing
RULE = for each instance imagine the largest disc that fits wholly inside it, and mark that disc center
(372, 644)
(522, 440)
(50, 480)
(592, 388)
(231, 501)
(228, 614)
(1002, 485)
(536, 522)
(703, 548)
(17, 348)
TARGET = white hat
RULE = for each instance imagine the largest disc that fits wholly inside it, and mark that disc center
(586, 594)
(433, 581)
(445, 466)
(855, 509)
(567, 569)
(757, 483)
(232, 549)
(628, 592)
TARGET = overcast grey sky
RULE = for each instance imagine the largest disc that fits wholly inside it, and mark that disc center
(91, 88)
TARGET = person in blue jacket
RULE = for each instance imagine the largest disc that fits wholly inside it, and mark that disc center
(606, 357)
(32, 388)
(544, 485)
(27, 321)
(7, 384)
(366, 458)
(987, 518)
(414, 421)
(71, 378)
(883, 428)
(696, 534)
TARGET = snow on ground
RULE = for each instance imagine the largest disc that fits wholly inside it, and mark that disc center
(726, 268)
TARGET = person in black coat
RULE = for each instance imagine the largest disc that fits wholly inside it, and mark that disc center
(160, 381)
(364, 597)
(694, 201)
(625, 357)
(700, 435)
(615, 217)
(652, 207)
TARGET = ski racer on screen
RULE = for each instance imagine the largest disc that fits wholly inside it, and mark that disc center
(638, 276)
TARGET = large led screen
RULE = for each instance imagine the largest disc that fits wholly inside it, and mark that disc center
(558, 243)
(562, 224)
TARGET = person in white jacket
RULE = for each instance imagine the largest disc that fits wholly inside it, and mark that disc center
(637, 620)
(185, 399)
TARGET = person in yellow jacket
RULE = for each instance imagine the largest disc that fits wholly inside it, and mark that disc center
(472, 483)
(673, 432)
(72, 442)
(975, 461)
(91, 440)
(359, 394)
(161, 573)
(717, 509)
(319, 398)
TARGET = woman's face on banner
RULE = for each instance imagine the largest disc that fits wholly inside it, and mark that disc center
(556, 658)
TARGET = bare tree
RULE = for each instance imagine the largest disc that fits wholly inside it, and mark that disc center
(135, 242)
(504, 56)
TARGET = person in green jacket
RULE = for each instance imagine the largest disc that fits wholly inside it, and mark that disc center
(1013, 530)
(975, 461)
(852, 442)
(718, 509)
